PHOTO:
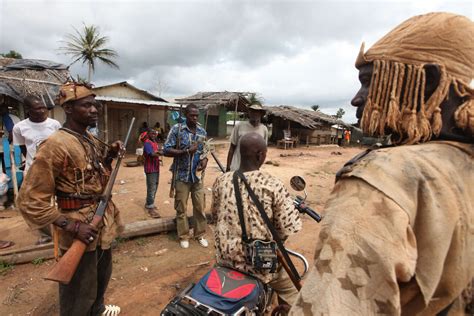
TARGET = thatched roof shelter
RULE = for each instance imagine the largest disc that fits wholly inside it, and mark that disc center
(30, 76)
(306, 118)
(231, 100)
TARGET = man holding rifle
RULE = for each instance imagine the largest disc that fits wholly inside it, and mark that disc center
(75, 167)
(185, 143)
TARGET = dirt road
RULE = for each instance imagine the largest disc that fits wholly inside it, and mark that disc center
(149, 271)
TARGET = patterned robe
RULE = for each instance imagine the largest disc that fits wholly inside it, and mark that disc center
(398, 234)
(68, 164)
(277, 203)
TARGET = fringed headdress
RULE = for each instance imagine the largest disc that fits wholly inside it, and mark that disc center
(396, 94)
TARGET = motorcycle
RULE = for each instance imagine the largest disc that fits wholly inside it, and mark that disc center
(223, 291)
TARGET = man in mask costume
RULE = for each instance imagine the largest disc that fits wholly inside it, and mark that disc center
(398, 232)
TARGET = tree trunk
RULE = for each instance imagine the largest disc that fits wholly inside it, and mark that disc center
(89, 74)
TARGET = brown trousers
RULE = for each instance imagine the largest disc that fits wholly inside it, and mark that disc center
(182, 191)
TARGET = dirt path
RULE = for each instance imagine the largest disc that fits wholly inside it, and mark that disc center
(149, 271)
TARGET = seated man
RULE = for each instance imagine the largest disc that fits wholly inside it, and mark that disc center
(277, 203)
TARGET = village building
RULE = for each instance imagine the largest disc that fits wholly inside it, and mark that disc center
(292, 126)
(120, 102)
(213, 108)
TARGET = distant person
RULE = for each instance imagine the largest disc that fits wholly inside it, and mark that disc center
(143, 128)
(29, 133)
(184, 143)
(159, 130)
(253, 125)
(151, 155)
(347, 136)
(398, 233)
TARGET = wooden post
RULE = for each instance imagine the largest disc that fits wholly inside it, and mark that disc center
(106, 123)
(148, 114)
(235, 112)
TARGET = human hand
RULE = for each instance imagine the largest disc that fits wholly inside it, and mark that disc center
(82, 231)
(193, 148)
(116, 148)
(202, 164)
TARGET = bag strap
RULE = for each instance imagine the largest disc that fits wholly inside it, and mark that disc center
(267, 221)
(240, 208)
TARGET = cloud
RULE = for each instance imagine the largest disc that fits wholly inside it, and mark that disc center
(290, 52)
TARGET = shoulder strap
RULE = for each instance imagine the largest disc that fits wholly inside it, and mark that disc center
(269, 224)
(240, 209)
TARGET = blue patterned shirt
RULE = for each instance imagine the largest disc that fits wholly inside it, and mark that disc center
(187, 164)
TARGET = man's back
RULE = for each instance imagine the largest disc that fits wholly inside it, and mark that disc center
(228, 234)
(405, 242)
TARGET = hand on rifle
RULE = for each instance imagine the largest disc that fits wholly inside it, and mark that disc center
(191, 150)
(82, 231)
(202, 164)
(116, 148)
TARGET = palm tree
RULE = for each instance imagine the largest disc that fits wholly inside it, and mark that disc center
(88, 46)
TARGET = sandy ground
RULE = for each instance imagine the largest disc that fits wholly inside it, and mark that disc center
(148, 271)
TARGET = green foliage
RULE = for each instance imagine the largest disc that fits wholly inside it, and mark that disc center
(12, 54)
(5, 267)
(88, 46)
(38, 261)
(120, 240)
(141, 241)
(315, 107)
(340, 113)
(231, 115)
(254, 98)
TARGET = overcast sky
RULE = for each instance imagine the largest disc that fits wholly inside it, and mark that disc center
(289, 52)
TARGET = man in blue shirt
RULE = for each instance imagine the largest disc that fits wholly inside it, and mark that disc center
(185, 143)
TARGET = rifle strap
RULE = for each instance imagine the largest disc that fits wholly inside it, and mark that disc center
(267, 221)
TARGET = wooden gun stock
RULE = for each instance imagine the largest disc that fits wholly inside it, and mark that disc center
(64, 269)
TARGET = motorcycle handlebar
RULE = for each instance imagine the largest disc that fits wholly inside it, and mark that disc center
(302, 208)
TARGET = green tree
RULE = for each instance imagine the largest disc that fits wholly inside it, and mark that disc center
(87, 45)
(12, 54)
(255, 98)
(315, 107)
(340, 113)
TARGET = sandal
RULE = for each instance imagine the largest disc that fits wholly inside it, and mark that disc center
(6, 244)
(111, 310)
(153, 213)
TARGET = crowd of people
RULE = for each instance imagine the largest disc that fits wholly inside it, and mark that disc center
(397, 236)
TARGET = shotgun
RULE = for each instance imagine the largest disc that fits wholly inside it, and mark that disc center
(174, 170)
(64, 269)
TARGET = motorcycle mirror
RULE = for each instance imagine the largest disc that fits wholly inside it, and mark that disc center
(297, 183)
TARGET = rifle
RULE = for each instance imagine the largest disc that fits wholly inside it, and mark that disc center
(175, 164)
(64, 269)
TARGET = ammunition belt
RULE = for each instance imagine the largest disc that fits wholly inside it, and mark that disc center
(70, 202)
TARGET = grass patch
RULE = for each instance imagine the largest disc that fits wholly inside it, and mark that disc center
(38, 261)
(5, 267)
(141, 241)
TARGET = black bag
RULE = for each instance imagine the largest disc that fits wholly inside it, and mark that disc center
(261, 254)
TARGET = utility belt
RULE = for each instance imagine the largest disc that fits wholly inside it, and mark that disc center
(74, 202)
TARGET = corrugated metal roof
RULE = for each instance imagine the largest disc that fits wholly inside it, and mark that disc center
(135, 101)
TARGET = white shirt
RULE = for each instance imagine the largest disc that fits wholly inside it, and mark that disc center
(240, 130)
(32, 134)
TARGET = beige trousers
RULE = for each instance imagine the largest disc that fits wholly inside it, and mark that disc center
(182, 191)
